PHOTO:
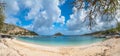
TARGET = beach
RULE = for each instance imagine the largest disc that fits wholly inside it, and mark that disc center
(13, 47)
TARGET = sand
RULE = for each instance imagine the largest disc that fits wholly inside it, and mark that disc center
(8, 47)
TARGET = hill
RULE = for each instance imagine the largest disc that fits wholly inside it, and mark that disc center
(16, 30)
(111, 31)
(58, 34)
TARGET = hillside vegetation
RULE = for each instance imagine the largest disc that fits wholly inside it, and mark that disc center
(112, 31)
(16, 30)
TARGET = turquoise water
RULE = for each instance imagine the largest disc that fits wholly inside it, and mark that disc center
(61, 40)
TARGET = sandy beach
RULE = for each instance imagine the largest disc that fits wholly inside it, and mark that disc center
(8, 47)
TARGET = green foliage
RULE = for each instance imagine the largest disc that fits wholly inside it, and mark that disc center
(98, 8)
(2, 17)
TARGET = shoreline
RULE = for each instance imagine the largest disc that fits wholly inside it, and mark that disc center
(81, 45)
(19, 48)
(61, 44)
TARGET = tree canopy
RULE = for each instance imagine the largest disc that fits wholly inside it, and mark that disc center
(101, 8)
(1, 15)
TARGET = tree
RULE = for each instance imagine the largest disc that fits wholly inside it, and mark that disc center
(2, 17)
(101, 8)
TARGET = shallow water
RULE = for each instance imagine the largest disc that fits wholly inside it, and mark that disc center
(62, 40)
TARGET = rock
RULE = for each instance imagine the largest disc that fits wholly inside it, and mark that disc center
(117, 36)
(58, 34)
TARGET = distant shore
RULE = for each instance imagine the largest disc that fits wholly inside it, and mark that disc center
(14, 47)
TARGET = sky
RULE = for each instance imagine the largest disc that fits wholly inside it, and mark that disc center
(47, 17)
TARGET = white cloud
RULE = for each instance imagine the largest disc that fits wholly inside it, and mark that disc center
(61, 20)
(12, 20)
(12, 7)
(62, 2)
(44, 13)
(76, 22)
(28, 3)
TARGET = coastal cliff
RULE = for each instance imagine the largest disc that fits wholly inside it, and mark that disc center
(16, 30)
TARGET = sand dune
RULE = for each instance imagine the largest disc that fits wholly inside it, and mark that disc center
(14, 47)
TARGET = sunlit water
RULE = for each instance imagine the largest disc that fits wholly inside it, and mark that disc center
(61, 40)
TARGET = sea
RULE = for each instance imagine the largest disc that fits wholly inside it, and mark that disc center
(68, 40)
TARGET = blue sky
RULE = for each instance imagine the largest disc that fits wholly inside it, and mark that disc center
(47, 17)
